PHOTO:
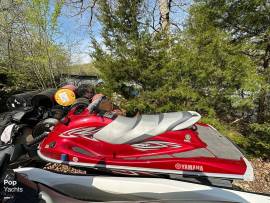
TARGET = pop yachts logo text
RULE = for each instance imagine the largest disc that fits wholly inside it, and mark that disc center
(11, 186)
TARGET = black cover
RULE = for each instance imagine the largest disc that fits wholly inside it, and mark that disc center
(22, 100)
(44, 98)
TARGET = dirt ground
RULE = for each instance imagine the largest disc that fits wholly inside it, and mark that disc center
(261, 184)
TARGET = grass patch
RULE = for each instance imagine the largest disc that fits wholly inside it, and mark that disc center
(81, 69)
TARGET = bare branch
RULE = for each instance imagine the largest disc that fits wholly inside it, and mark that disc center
(176, 25)
(92, 12)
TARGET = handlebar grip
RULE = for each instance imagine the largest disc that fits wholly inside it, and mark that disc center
(38, 139)
(94, 105)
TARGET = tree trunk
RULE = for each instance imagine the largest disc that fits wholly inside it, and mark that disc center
(261, 107)
(266, 57)
(164, 9)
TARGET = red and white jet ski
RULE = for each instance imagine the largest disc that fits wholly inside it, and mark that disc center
(166, 143)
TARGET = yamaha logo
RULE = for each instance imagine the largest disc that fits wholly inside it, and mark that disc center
(187, 138)
(75, 159)
(188, 167)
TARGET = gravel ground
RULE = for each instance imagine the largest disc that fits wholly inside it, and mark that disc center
(261, 184)
(63, 168)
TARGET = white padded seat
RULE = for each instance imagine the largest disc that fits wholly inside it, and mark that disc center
(132, 130)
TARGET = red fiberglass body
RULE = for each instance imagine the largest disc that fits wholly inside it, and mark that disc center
(145, 145)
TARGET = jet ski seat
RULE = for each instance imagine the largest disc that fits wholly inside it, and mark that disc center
(124, 130)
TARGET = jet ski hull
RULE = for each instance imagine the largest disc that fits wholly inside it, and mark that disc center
(143, 169)
(197, 151)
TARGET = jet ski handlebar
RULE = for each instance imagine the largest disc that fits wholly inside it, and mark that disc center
(35, 141)
(95, 104)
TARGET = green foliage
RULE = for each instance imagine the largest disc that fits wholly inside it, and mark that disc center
(27, 50)
(222, 73)
(246, 24)
(81, 69)
(198, 70)
(244, 19)
(16, 79)
(57, 11)
(259, 140)
(206, 68)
